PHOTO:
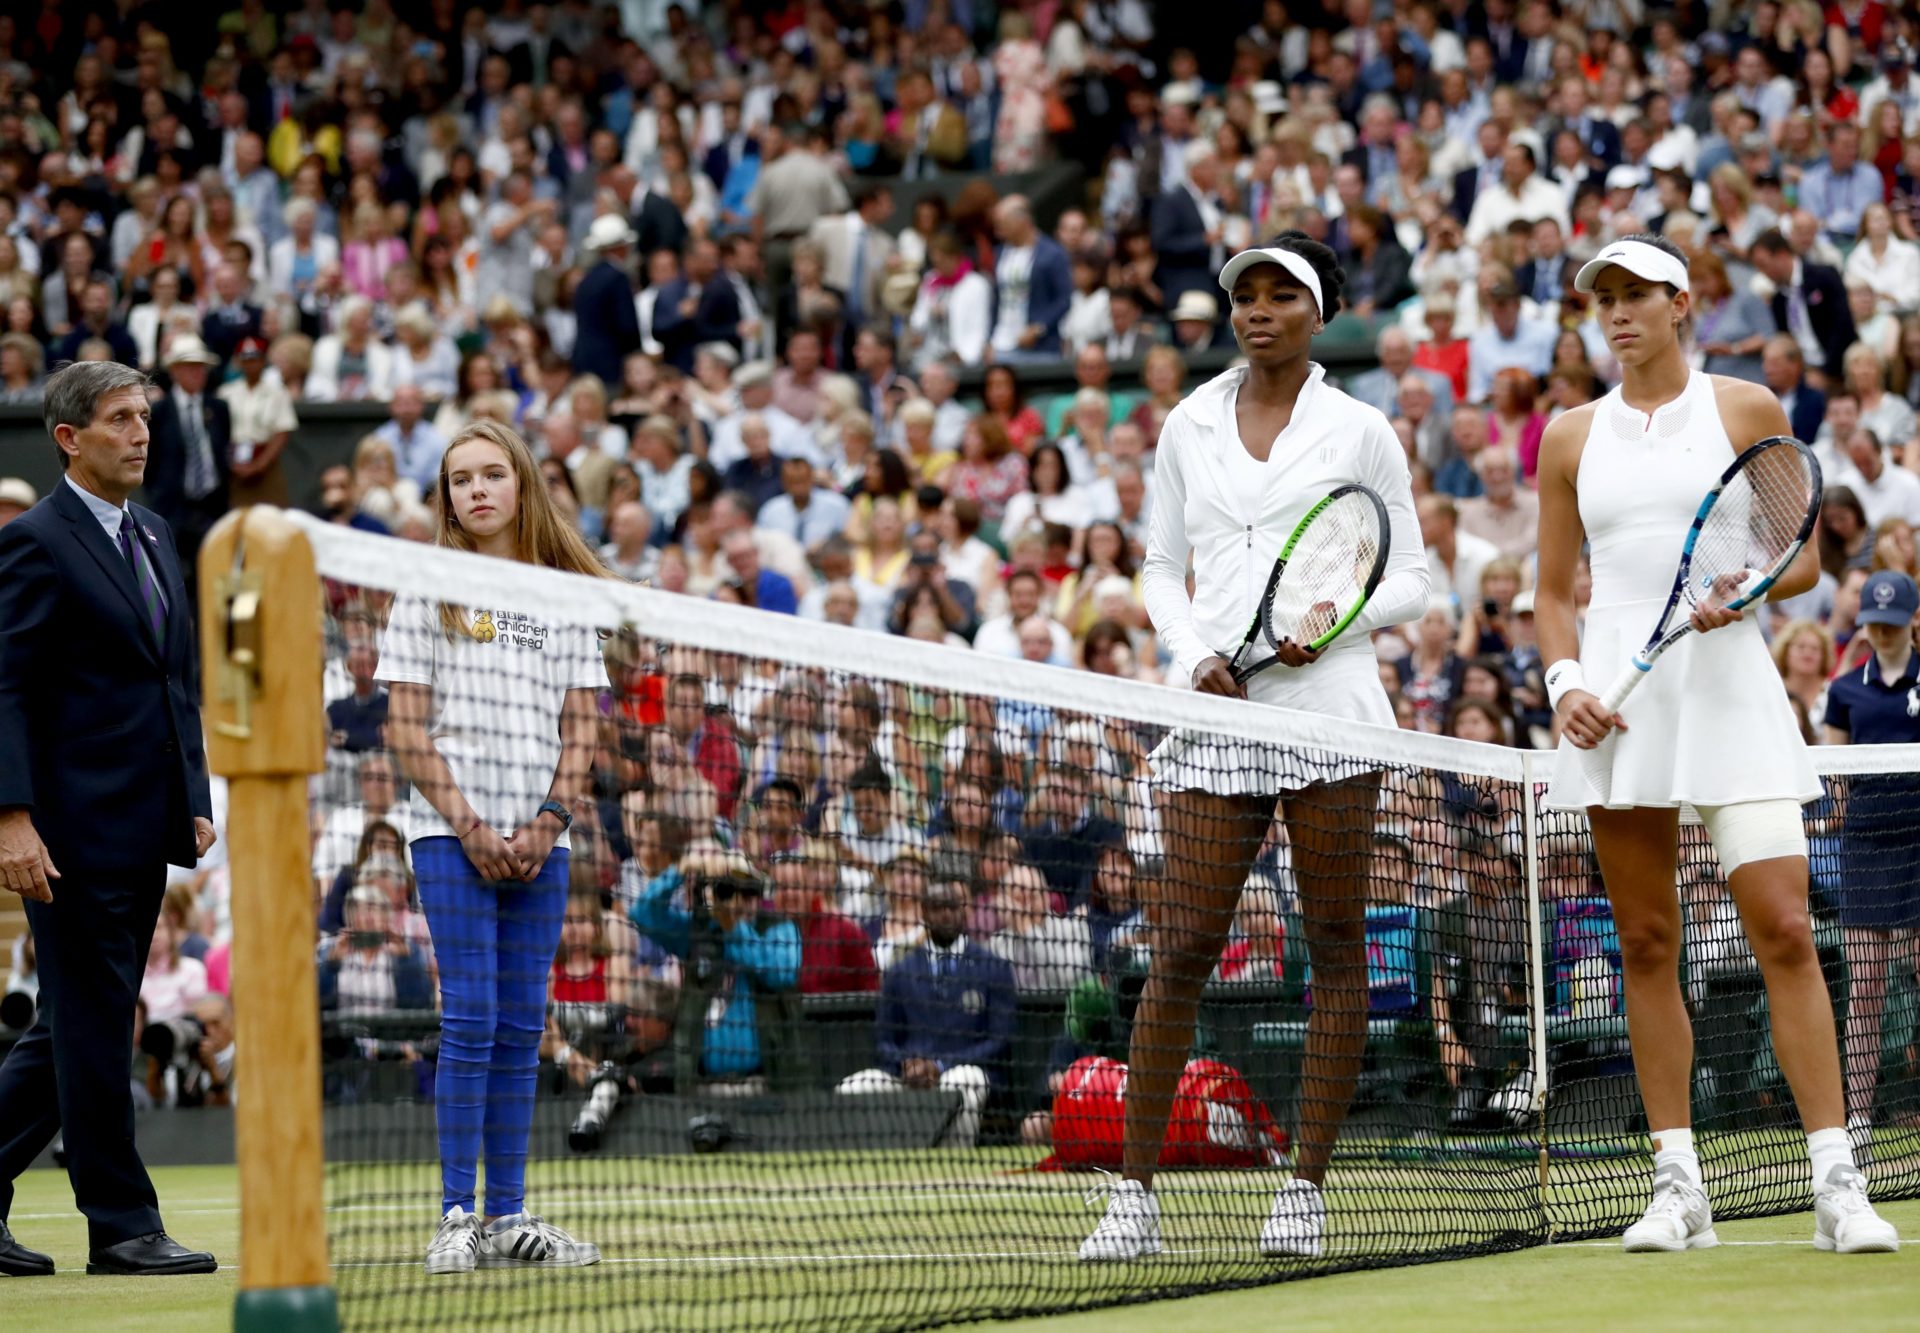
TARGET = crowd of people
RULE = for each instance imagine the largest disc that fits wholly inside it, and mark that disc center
(729, 271)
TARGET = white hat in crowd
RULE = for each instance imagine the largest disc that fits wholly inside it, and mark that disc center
(188, 347)
(607, 231)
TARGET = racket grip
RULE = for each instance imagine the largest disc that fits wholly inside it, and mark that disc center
(1625, 684)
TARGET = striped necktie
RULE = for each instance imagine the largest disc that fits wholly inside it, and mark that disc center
(150, 597)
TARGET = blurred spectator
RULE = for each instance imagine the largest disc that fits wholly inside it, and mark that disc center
(946, 1018)
(173, 983)
(803, 511)
(368, 968)
(1033, 286)
(1505, 514)
(1809, 303)
(1507, 339)
(856, 253)
(417, 446)
(1047, 952)
(188, 450)
(627, 551)
(16, 498)
(351, 364)
(262, 420)
(835, 957)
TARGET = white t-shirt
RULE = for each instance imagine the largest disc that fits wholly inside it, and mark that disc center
(1895, 493)
(495, 712)
(1013, 275)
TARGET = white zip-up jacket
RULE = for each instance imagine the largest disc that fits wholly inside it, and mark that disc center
(1233, 514)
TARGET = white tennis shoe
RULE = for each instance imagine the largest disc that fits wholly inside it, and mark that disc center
(1131, 1228)
(1297, 1224)
(456, 1244)
(1679, 1218)
(1843, 1217)
(524, 1241)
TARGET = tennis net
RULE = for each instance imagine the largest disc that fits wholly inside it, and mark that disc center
(827, 1008)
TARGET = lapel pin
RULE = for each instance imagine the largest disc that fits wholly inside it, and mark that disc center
(151, 539)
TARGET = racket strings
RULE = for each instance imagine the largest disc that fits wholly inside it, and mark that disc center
(1326, 572)
(1754, 524)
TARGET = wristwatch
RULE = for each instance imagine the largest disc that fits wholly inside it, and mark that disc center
(558, 811)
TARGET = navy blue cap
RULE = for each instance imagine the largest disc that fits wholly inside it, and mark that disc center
(1888, 598)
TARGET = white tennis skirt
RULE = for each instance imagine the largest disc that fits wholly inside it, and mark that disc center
(1343, 683)
(1710, 725)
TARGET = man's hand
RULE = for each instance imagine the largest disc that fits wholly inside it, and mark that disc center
(919, 1073)
(25, 866)
(203, 836)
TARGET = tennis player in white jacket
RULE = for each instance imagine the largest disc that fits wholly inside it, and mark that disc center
(1240, 463)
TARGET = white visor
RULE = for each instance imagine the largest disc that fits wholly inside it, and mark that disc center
(1638, 258)
(1286, 259)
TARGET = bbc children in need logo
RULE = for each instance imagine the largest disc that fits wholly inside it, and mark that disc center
(511, 627)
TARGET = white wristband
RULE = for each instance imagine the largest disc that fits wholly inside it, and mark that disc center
(1563, 676)
(561, 1056)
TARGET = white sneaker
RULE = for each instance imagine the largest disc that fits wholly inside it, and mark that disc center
(455, 1245)
(523, 1240)
(1131, 1228)
(1844, 1220)
(1679, 1218)
(1297, 1223)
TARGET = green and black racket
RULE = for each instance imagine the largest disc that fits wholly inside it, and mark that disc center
(1326, 572)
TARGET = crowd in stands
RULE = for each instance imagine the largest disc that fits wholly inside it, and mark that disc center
(728, 267)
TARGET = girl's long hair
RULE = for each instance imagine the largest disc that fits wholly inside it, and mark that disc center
(540, 536)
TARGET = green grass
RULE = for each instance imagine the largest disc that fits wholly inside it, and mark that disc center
(717, 1245)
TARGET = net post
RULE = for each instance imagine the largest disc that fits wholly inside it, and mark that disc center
(261, 663)
(1536, 970)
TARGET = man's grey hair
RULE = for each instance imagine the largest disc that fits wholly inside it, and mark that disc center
(74, 392)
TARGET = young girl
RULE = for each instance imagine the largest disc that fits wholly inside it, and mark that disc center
(1255, 448)
(493, 719)
(1711, 728)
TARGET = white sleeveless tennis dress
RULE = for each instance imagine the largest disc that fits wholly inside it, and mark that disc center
(1711, 724)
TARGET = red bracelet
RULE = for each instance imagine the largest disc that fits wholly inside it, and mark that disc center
(477, 822)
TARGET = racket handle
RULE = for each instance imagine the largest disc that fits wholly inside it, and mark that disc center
(1625, 684)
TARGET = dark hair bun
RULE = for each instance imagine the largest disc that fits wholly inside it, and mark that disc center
(1326, 265)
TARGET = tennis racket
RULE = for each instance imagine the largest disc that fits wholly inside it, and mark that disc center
(1746, 532)
(1328, 569)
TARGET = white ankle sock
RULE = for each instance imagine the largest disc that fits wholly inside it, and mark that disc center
(1674, 1148)
(1828, 1148)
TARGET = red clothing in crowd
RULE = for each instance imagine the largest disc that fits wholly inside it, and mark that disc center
(835, 957)
(1449, 359)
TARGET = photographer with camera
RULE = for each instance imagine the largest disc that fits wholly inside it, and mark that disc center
(368, 968)
(708, 912)
(190, 1056)
(925, 569)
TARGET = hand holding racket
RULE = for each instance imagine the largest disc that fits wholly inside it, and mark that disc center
(1325, 573)
(1746, 532)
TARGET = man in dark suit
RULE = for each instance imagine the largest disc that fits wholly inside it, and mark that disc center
(609, 326)
(192, 432)
(1187, 246)
(1809, 304)
(1043, 285)
(1484, 174)
(1598, 135)
(700, 307)
(104, 784)
(946, 1016)
(1541, 277)
(1784, 369)
(231, 319)
(657, 222)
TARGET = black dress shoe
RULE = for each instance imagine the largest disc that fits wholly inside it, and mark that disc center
(16, 1260)
(155, 1255)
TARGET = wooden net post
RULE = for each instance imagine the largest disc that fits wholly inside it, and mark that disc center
(260, 664)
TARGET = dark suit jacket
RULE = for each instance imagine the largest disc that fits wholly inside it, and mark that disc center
(1386, 278)
(223, 332)
(659, 225)
(1466, 187)
(167, 465)
(100, 725)
(1049, 291)
(715, 319)
(1809, 410)
(117, 337)
(1528, 274)
(966, 1018)
(1602, 139)
(1180, 243)
(1827, 312)
(608, 327)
